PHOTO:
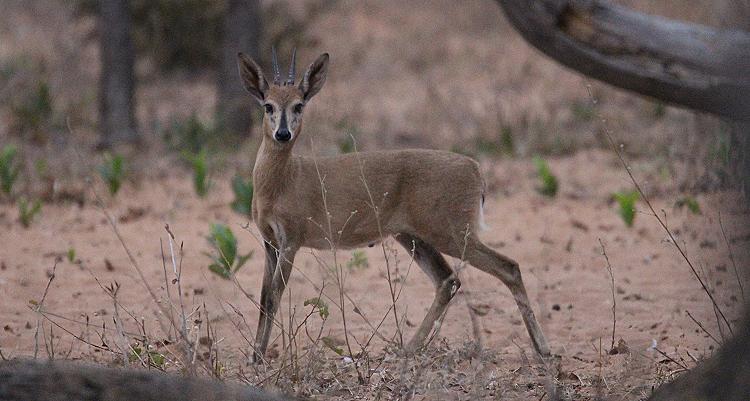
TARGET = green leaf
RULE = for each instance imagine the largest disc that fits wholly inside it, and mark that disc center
(626, 201)
(548, 180)
(321, 305)
(330, 343)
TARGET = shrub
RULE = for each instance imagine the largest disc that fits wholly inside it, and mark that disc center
(358, 261)
(112, 171)
(626, 202)
(226, 262)
(27, 212)
(190, 135)
(9, 169)
(243, 195)
(548, 181)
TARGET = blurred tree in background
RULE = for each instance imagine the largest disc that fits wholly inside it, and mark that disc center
(189, 35)
(117, 79)
(242, 30)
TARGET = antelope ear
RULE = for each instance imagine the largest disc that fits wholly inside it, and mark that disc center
(252, 77)
(315, 77)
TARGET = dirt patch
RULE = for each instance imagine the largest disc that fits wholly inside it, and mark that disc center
(556, 242)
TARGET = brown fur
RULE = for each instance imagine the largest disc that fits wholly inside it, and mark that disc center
(428, 200)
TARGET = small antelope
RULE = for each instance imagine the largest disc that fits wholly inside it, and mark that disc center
(429, 201)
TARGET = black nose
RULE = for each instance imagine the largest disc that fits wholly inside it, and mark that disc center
(282, 135)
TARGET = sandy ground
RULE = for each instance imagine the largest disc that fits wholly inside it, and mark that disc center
(556, 242)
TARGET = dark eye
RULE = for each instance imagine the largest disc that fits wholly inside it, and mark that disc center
(298, 108)
(269, 108)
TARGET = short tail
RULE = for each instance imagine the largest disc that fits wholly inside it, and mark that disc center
(482, 225)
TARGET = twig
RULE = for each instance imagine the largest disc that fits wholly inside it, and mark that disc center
(731, 258)
(38, 309)
(612, 287)
(702, 328)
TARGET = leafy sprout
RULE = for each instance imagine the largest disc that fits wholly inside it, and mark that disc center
(626, 202)
(26, 211)
(226, 261)
(548, 181)
(9, 168)
(112, 172)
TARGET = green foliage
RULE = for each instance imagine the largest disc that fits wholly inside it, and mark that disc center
(507, 145)
(548, 181)
(152, 358)
(9, 168)
(226, 262)
(191, 135)
(358, 261)
(350, 132)
(331, 344)
(27, 212)
(720, 150)
(243, 195)
(346, 144)
(583, 111)
(112, 171)
(71, 254)
(659, 109)
(174, 34)
(320, 305)
(626, 202)
(199, 165)
(690, 202)
(33, 113)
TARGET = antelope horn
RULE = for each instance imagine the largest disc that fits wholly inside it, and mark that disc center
(292, 66)
(276, 71)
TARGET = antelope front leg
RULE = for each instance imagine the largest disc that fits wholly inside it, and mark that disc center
(275, 277)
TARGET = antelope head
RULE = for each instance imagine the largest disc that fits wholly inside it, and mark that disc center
(283, 102)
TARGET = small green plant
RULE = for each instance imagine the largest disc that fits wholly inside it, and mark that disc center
(583, 111)
(358, 261)
(112, 171)
(243, 195)
(548, 181)
(346, 144)
(226, 262)
(320, 305)
(626, 202)
(690, 202)
(152, 358)
(199, 164)
(26, 211)
(9, 169)
(71, 254)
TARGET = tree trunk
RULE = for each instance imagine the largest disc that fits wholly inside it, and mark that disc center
(47, 381)
(684, 64)
(117, 81)
(242, 31)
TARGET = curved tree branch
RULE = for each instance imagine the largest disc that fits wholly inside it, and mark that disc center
(684, 64)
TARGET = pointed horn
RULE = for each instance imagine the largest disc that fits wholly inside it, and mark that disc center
(292, 67)
(276, 71)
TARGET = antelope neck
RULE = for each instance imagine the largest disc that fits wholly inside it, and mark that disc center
(272, 166)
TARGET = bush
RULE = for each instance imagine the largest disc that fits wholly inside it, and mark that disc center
(9, 169)
(548, 181)
(112, 171)
(190, 135)
(226, 262)
(243, 195)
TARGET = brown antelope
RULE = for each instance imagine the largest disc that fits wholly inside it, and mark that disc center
(429, 201)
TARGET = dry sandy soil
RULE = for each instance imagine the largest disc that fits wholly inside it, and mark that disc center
(556, 242)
